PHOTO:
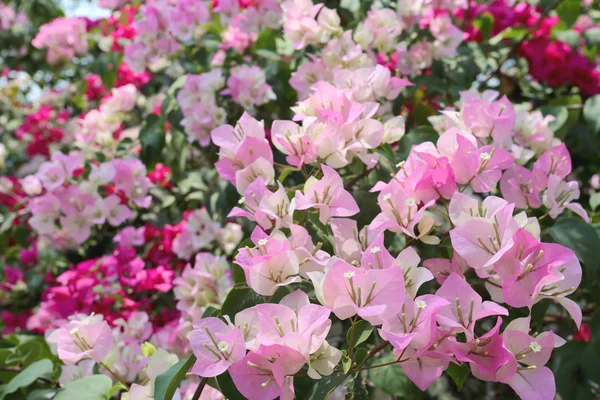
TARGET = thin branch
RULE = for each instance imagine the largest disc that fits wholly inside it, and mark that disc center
(199, 389)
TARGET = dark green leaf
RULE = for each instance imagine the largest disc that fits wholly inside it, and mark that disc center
(360, 355)
(27, 377)
(166, 384)
(568, 11)
(580, 237)
(360, 333)
(392, 380)
(240, 299)
(228, 388)
(152, 139)
(309, 389)
(459, 374)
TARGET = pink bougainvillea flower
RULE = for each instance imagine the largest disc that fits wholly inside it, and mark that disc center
(560, 195)
(270, 265)
(482, 168)
(368, 293)
(442, 268)
(376, 255)
(532, 270)
(350, 243)
(401, 210)
(556, 161)
(268, 209)
(481, 241)
(485, 354)
(533, 380)
(414, 276)
(303, 329)
(266, 373)
(494, 120)
(216, 346)
(240, 147)
(327, 195)
(466, 306)
(424, 369)
(292, 140)
(310, 257)
(415, 325)
(518, 187)
(87, 337)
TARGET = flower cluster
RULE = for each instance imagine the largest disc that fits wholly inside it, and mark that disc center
(11, 19)
(561, 63)
(163, 24)
(101, 128)
(111, 286)
(424, 201)
(41, 129)
(198, 101)
(63, 38)
(108, 194)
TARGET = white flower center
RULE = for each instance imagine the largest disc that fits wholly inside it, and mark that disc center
(421, 304)
(349, 274)
(387, 197)
(241, 200)
(535, 347)
(485, 156)
(262, 242)
(375, 250)
(223, 346)
(410, 202)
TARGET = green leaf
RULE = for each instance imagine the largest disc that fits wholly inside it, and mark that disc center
(592, 37)
(285, 173)
(240, 299)
(569, 36)
(166, 384)
(227, 387)
(362, 330)
(568, 11)
(41, 394)
(576, 367)
(591, 113)
(360, 355)
(595, 201)
(346, 362)
(357, 389)
(93, 387)
(392, 380)
(580, 237)
(116, 389)
(152, 139)
(560, 114)
(485, 23)
(27, 377)
(307, 389)
(459, 374)
(574, 111)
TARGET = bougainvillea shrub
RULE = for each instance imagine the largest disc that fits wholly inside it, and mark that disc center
(286, 199)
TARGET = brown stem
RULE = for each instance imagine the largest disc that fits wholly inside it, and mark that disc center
(199, 389)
